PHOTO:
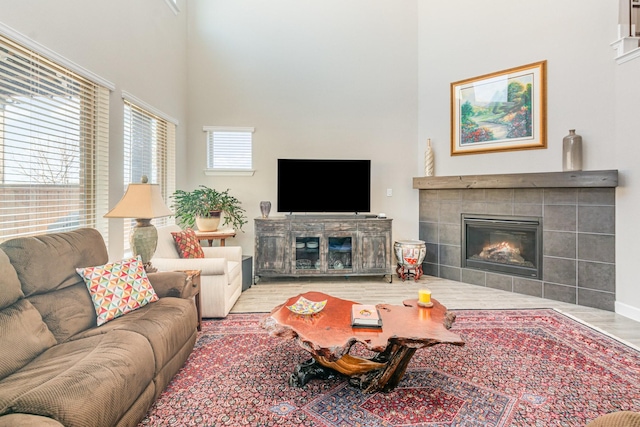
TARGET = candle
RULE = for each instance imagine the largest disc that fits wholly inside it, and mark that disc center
(424, 296)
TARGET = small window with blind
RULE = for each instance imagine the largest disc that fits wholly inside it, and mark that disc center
(149, 150)
(54, 126)
(229, 150)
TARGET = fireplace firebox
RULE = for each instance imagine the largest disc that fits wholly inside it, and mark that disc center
(502, 244)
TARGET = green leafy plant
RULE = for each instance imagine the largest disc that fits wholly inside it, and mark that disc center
(207, 202)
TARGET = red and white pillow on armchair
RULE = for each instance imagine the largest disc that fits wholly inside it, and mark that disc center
(187, 244)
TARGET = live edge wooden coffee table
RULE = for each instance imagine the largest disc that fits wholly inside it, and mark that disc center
(328, 336)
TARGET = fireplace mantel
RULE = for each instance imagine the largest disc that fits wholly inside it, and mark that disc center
(574, 179)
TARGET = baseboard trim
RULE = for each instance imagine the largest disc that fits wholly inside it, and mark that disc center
(627, 310)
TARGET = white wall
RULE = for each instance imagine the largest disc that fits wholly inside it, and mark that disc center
(586, 91)
(139, 46)
(627, 126)
(317, 79)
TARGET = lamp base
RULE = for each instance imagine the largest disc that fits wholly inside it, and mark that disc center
(144, 240)
(149, 268)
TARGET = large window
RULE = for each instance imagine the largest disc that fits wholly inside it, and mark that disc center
(149, 150)
(54, 127)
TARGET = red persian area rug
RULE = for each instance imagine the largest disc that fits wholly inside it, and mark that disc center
(517, 368)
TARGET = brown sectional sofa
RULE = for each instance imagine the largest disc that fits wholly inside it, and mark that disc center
(57, 368)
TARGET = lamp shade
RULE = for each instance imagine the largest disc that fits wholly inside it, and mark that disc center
(140, 201)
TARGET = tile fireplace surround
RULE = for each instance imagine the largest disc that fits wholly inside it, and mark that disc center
(578, 217)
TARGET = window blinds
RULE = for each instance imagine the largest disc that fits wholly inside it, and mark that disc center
(149, 149)
(229, 148)
(54, 126)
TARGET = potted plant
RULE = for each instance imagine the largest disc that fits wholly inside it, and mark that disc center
(203, 207)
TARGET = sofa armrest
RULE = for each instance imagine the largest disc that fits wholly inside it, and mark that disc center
(27, 420)
(208, 266)
(171, 284)
(231, 253)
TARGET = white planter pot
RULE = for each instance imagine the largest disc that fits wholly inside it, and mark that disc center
(209, 224)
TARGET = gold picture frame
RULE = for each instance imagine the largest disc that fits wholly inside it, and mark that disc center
(501, 111)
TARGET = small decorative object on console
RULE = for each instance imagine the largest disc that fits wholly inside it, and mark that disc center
(305, 306)
(365, 315)
(265, 208)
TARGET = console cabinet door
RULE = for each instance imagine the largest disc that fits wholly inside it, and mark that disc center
(375, 246)
(308, 253)
(271, 255)
(374, 253)
(272, 248)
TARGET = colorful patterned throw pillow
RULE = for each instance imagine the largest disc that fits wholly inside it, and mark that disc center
(187, 244)
(118, 287)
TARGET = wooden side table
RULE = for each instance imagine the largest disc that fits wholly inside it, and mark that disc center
(193, 276)
(210, 236)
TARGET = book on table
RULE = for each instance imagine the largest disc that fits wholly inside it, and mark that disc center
(365, 316)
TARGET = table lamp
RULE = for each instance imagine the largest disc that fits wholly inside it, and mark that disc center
(142, 202)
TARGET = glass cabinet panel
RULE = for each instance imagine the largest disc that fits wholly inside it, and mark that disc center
(340, 253)
(307, 253)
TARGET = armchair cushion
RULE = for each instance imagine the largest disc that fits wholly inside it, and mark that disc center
(187, 244)
(118, 287)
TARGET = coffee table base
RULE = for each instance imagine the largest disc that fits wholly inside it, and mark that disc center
(309, 370)
(381, 373)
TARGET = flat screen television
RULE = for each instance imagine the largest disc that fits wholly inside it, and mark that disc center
(319, 185)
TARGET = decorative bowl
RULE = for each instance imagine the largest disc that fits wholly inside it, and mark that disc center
(303, 263)
(312, 245)
(305, 306)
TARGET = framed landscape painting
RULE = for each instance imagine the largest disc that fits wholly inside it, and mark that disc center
(501, 111)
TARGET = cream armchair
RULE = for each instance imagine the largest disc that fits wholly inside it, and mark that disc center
(221, 271)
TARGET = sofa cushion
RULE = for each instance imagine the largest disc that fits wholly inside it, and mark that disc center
(10, 288)
(167, 324)
(118, 287)
(88, 382)
(47, 262)
(23, 335)
(67, 311)
(187, 244)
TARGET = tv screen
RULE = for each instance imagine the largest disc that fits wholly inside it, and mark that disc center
(310, 185)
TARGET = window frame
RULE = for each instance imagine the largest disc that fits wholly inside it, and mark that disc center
(210, 171)
(92, 151)
(166, 177)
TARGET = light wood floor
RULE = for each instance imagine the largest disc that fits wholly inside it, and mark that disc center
(268, 293)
